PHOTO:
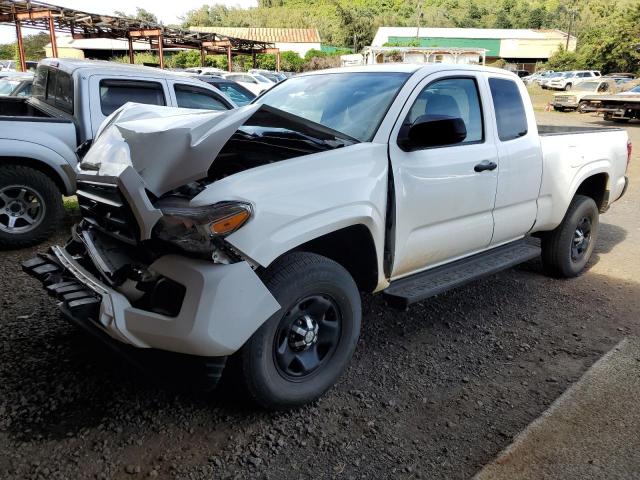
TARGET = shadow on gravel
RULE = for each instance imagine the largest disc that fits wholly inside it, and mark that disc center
(441, 387)
(608, 237)
(66, 382)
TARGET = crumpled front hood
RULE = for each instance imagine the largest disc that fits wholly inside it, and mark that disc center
(168, 147)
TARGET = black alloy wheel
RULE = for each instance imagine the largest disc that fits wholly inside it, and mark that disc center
(581, 239)
(307, 337)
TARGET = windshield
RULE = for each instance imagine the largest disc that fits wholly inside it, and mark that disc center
(239, 96)
(351, 103)
(589, 86)
(271, 77)
(262, 79)
(7, 86)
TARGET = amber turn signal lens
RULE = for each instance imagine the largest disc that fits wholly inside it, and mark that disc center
(230, 223)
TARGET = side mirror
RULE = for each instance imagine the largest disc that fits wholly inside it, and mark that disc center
(431, 131)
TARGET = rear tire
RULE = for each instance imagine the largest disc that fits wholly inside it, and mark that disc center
(30, 206)
(567, 249)
(302, 350)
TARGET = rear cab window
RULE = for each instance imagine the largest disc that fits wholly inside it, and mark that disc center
(189, 96)
(54, 87)
(115, 93)
(511, 118)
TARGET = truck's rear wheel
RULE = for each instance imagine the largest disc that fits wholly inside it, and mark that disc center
(302, 350)
(30, 206)
(567, 249)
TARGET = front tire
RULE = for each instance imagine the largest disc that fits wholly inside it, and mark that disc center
(30, 206)
(567, 249)
(302, 350)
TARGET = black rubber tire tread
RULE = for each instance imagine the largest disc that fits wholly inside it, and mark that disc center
(556, 256)
(282, 278)
(11, 174)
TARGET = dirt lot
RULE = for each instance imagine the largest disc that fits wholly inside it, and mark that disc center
(434, 392)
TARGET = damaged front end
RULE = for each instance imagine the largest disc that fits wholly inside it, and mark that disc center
(144, 265)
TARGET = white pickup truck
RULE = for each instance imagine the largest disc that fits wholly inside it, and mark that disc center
(39, 135)
(251, 233)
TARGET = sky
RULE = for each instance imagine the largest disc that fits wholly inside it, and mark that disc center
(167, 11)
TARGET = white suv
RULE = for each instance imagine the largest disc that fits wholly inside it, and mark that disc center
(570, 79)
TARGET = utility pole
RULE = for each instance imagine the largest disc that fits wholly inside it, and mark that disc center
(572, 16)
(419, 12)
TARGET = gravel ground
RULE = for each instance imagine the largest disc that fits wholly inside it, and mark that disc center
(434, 392)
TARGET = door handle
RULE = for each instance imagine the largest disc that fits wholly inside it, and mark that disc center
(481, 167)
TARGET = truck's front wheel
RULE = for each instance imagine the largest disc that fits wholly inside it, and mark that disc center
(567, 249)
(302, 350)
(30, 206)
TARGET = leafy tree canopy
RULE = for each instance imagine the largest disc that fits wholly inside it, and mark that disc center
(607, 30)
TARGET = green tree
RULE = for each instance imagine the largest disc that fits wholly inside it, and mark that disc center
(563, 60)
(141, 14)
(537, 18)
(7, 51)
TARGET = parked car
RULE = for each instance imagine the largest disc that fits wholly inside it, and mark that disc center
(206, 71)
(536, 77)
(619, 108)
(630, 76)
(571, 79)
(275, 77)
(16, 85)
(236, 92)
(12, 65)
(574, 100)
(546, 79)
(621, 81)
(253, 82)
(40, 134)
(252, 232)
(521, 73)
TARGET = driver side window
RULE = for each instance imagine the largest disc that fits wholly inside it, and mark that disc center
(451, 98)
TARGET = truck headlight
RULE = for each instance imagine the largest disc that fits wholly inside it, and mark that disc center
(192, 228)
(572, 99)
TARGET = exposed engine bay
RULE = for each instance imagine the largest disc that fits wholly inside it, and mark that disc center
(147, 164)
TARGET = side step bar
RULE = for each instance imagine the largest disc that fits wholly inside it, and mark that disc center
(421, 286)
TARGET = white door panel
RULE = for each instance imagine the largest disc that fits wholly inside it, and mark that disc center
(520, 161)
(443, 207)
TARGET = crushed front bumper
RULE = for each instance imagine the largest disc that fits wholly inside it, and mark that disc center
(222, 307)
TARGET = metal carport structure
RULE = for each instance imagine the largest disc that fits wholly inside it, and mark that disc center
(80, 24)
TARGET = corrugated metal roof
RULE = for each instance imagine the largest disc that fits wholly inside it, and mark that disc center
(383, 33)
(271, 35)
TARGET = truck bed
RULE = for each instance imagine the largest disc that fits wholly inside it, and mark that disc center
(552, 130)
